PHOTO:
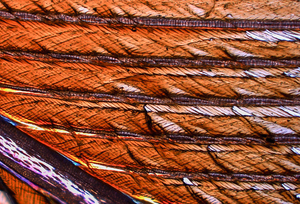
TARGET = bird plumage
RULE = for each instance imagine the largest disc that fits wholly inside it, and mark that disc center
(167, 102)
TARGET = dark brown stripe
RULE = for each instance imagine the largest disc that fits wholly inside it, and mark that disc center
(126, 61)
(135, 98)
(141, 21)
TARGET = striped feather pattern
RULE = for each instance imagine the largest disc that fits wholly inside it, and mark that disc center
(168, 102)
(157, 81)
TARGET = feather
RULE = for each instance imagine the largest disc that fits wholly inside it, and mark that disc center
(134, 119)
(166, 102)
(157, 81)
(122, 41)
(171, 158)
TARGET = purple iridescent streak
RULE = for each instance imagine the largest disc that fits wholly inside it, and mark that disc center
(10, 149)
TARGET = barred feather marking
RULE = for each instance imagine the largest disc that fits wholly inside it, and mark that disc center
(122, 41)
(166, 119)
(150, 81)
